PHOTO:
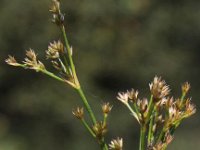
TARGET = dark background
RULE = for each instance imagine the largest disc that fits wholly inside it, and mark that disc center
(118, 44)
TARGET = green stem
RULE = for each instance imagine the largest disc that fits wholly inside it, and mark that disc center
(150, 132)
(150, 109)
(105, 116)
(68, 50)
(103, 145)
(78, 87)
(160, 138)
(88, 128)
(52, 75)
(142, 137)
(89, 109)
(132, 111)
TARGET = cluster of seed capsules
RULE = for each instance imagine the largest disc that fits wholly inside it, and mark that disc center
(161, 114)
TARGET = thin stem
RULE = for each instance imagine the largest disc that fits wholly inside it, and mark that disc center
(136, 110)
(152, 119)
(142, 137)
(52, 75)
(150, 132)
(103, 145)
(150, 109)
(88, 128)
(132, 111)
(105, 116)
(89, 109)
(162, 133)
(79, 90)
(68, 50)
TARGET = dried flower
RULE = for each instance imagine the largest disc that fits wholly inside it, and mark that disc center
(54, 49)
(106, 108)
(123, 97)
(158, 88)
(185, 87)
(78, 112)
(58, 17)
(168, 138)
(189, 108)
(12, 61)
(31, 61)
(143, 104)
(116, 144)
(55, 7)
(99, 129)
(133, 95)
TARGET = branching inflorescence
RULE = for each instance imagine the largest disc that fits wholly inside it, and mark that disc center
(158, 117)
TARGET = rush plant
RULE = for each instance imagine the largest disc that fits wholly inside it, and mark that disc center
(158, 117)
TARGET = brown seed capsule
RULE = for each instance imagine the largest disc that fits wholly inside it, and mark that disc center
(106, 108)
(133, 95)
(123, 97)
(78, 113)
(54, 50)
(159, 89)
(99, 129)
(185, 88)
(12, 61)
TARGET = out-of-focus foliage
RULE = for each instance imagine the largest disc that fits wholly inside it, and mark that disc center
(118, 44)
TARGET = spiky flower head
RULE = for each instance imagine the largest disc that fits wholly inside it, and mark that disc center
(78, 112)
(159, 89)
(58, 17)
(123, 97)
(190, 108)
(54, 49)
(185, 88)
(99, 129)
(31, 61)
(116, 144)
(12, 61)
(143, 104)
(106, 108)
(55, 7)
(133, 95)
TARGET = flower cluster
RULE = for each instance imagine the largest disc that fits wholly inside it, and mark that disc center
(58, 17)
(116, 144)
(30, 62)
(161, 114)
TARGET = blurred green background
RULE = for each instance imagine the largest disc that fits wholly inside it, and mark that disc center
(118, 44)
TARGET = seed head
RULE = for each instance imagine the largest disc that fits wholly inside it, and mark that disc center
(123, 97)
(116, 144)
(159, 89)
(185, 87)
(106, 108)
(12, 61)
(190, 108)
(58, 17)
(54, 50)
(55, 7)
(99, 129)
(31, 61)
(133, 95)
(78, 113)
(143, 105)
